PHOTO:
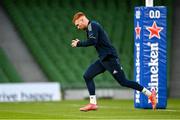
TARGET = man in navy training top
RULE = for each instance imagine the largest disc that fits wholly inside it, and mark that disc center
(108, 60)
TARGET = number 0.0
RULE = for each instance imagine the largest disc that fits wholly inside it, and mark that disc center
(154, 14)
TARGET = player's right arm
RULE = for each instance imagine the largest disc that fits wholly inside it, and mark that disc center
(92, 37)
(85, 43)
(74, 42)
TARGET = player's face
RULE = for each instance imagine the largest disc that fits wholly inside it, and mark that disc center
(80, 24)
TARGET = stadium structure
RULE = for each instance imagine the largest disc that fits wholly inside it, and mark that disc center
(35, 37)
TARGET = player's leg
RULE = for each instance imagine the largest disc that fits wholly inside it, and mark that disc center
(93, 70)
(113, 66)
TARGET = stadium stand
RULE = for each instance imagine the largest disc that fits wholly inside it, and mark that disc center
(46, 28)
(7, 71)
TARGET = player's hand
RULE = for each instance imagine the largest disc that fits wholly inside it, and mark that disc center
(74, 42)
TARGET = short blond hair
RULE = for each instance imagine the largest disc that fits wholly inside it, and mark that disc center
(77, 16)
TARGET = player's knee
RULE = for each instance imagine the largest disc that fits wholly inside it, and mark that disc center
(87, 77)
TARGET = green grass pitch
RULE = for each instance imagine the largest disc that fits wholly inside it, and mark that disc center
(108, 110)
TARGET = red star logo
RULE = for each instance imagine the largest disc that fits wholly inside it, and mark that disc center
(138, 31)
(154, 31)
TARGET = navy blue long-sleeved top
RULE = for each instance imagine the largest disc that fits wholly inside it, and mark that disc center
(97, 37)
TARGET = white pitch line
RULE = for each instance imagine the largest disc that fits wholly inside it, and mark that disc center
(168, 110)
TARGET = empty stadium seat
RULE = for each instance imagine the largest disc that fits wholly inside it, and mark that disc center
(7, 70)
